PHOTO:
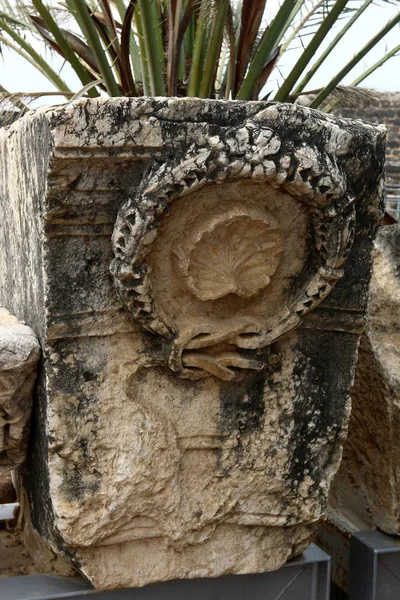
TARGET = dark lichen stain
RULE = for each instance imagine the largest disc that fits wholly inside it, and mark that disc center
(75, 488)
(322, 377)
(83, 444)
(242, 412)
(77, 379)
(242, 404)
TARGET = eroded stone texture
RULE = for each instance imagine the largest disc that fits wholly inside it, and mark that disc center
(366, 491)
(19, 354)
(202, 274)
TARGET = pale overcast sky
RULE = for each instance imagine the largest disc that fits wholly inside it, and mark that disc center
(18, 76)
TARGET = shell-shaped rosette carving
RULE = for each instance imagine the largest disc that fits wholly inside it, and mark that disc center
(230, 254)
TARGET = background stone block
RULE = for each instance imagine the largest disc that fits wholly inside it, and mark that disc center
(366, 491)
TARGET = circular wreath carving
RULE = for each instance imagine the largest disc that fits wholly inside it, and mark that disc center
(216, 161)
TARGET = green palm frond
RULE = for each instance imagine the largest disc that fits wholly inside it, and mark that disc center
(206, 48)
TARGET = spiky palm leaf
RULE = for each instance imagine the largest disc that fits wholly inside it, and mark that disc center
(207, 48)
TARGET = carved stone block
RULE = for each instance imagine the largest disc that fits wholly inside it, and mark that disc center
(19, 354)
(366, 492)
(201, 274)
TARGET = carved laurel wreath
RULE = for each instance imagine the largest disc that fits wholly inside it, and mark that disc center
(252, 151)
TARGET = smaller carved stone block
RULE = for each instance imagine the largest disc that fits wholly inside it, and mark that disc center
(19, 354)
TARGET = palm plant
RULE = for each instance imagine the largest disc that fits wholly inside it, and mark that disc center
(204, 48)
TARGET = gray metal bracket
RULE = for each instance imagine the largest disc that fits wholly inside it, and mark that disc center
(306, 577)
(374, 566)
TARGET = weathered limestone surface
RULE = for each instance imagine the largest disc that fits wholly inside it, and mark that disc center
(19, 354)
(367, 490)
(197, 272)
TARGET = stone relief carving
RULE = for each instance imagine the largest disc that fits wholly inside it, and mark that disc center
(230, 253)
(136, 474)
(232, 248)
(19, 354)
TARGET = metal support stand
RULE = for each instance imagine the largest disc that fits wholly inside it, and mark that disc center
(374, 566)
(334, 539)
(303, 578)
